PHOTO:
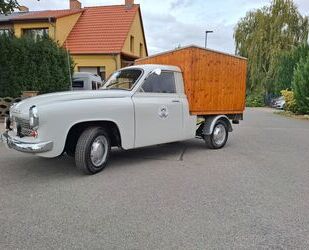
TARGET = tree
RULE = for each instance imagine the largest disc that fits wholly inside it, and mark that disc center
(286, 63)
(264, 34)
(26, 65)
(301, 85)
(8, 6)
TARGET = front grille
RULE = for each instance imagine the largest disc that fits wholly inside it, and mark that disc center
(23, 126)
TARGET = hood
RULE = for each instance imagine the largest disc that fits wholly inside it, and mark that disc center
(46, 99)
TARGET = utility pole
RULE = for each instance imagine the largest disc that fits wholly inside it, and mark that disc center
(69, 65)
(206, 36)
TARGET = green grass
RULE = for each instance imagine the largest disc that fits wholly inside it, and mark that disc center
(292, 115)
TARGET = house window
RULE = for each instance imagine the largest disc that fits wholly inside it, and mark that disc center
(5, 32)
(132, 44)
(35, 33)
(141, 49)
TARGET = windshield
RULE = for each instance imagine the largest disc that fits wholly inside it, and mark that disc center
(123, 79)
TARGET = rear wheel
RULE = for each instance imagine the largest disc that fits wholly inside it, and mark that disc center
(219, 136)
(92, 150)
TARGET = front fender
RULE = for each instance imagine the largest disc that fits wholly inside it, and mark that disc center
(57, 119)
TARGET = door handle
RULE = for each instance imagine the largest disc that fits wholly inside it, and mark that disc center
(175, 101)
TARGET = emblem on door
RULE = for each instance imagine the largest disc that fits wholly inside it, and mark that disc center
(163, 112)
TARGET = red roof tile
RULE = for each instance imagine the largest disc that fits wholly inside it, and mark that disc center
(46, 14)
(101, 29)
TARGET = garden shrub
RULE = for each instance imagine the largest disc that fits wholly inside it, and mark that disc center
(290, 102)
(255, 100)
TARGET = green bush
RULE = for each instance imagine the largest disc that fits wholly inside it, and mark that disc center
(290, 102)
(28, 65)
(255, 100)
(301, 85)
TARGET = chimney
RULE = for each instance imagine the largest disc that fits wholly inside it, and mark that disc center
(129, 3)
(23, 8)
(75, 5)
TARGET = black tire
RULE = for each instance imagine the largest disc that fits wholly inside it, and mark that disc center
(83, 159)
(210, 139)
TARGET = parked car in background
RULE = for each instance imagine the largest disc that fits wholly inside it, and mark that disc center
(278, 103)
(86, 81)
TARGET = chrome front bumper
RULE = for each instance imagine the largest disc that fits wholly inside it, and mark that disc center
(26, 147)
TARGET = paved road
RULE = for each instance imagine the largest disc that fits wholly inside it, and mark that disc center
(252, 194)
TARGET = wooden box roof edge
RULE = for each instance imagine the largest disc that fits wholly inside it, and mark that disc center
(192, 46)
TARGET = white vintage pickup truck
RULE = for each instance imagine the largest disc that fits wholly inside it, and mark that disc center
(138, 106)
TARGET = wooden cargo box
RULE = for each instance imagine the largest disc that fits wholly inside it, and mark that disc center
(215, 82)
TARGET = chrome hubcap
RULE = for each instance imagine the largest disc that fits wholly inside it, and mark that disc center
(98, 151)
(219, 134)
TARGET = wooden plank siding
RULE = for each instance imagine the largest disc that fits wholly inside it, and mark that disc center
(215, 83)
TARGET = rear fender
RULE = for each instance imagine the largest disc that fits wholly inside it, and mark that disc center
(210, 122)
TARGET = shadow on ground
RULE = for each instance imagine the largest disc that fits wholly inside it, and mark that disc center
(65, 166)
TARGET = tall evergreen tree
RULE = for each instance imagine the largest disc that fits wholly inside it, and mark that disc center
(301, 85)
(285, 65)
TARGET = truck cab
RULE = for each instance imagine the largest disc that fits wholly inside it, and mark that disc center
(138, 106)
(160, 104)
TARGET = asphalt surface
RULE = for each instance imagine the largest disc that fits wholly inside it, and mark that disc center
(253, 194)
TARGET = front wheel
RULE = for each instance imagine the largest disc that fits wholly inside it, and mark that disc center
(92, 150)
(219, 136)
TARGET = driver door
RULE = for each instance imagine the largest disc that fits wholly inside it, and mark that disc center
(158, 111)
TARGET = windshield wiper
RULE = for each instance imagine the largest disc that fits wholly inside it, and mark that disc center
(117, 83)
(112, 84)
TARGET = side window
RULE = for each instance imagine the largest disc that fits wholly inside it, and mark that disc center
(164, 83)
(78, 83)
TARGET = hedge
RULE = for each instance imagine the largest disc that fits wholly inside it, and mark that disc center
(29, 65)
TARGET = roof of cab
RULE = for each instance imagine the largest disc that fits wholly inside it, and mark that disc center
(150, 67)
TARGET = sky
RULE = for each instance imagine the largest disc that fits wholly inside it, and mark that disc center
(170, 23)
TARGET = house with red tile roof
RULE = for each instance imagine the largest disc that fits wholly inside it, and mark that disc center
(101, 39)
